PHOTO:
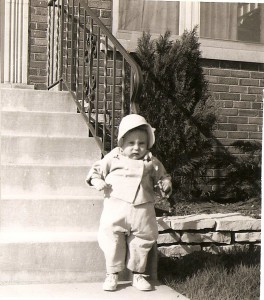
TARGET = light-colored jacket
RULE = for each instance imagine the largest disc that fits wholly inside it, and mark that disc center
(131, 180)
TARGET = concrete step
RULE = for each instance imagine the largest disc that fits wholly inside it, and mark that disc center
(50, 257)
(36, 100)
(45, 180)
(86, 291)
(53, 213)
(43, 124)
(49, 150)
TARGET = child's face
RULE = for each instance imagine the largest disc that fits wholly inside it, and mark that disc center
(135, 144)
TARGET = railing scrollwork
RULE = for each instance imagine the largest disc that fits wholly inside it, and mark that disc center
(88, 61)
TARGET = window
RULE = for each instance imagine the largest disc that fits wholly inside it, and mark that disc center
(224, 28)
(250, 22)
(154, 16)
(231, 21)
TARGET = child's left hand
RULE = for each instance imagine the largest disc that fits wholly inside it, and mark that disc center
(165, 187)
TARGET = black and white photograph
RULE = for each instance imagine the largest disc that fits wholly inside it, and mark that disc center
(131, 149)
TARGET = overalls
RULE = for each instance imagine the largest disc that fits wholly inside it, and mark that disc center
(128, 227)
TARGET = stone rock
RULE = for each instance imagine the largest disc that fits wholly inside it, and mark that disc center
(210, 237)
(168, 238)
(192, 222)
(163, 223)
(248, 236)
(237, 223)
(221, 249)
(177, 250)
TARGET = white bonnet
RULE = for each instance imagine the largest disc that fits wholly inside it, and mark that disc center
(132, 121)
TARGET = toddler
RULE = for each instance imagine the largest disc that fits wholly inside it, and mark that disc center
(128, 175)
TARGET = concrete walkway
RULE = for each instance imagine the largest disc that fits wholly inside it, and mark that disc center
(76, 291)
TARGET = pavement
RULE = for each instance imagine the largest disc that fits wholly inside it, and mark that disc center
(77, 291)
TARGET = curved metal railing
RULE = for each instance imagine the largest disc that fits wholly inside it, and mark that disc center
(88, 61)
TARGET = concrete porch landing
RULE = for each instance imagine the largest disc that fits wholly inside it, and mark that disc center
(77, 291)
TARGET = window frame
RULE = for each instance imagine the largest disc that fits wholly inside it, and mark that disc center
(210, 48)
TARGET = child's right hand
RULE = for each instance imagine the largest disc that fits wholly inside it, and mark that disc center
(99, 184)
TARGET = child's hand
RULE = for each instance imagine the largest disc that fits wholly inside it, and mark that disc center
(99, 184)
(165, 187)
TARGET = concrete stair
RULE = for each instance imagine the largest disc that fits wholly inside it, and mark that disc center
(47, 257)
(36, 101)
(45, 179)
(34, 150)
(48, 215)
(45, 124)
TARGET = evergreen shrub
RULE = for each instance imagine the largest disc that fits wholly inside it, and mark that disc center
(175, 100)
(242, 177)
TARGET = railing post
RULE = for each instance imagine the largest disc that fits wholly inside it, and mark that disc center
(113, 99)
(77, 50)
(72, 36)
(105, 91)
(97, 80)
(57, 41)
(2, 39)
(123, 89)
(66, 40)
(49, 46)
(61, 44)
(83, 59)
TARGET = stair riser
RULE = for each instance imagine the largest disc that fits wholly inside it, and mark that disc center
(51, 262)
(36, 150)
(45, 180)
(47, 230)
(32, 100)
(50, 215)
(43, 124)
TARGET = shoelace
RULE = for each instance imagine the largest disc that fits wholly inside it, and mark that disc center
(141, 276)
(111, 277)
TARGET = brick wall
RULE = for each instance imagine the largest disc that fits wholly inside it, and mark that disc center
(237, 90)
(38, 44)
(236, 87)
(215, 233)
(38, 25)
(103, 9)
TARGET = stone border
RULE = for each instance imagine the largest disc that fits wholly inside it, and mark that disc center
(214, 233)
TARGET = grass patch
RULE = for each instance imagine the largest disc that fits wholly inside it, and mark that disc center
(233, 275)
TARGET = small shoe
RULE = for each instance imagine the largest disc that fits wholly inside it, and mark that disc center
(110, 283)
(141, 283)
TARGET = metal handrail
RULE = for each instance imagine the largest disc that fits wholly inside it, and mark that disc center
(88, 61)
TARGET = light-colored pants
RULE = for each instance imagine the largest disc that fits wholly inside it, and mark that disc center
(126, 234)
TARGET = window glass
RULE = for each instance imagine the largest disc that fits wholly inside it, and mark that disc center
(232, 21)
(146, 15)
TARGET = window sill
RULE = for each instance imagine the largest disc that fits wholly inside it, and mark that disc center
(211, 49)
